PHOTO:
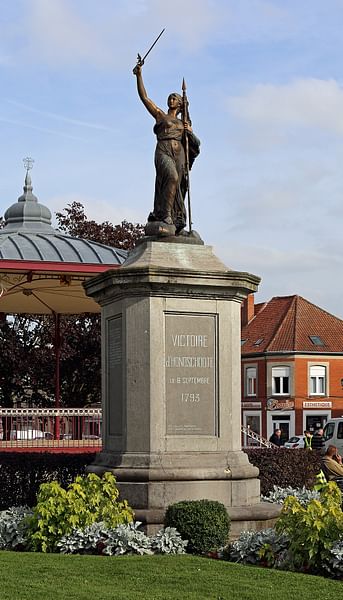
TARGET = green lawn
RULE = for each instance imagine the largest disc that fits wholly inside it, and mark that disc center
(34, 576)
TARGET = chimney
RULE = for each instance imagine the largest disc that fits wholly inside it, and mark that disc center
(247, 309)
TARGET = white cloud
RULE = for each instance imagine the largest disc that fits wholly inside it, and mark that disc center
(313, 103)
(291, 197)
(108, 34)
(58, 34)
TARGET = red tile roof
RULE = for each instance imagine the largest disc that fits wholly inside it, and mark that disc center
(285, 323)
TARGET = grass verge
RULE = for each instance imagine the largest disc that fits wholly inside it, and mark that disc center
(34, 576)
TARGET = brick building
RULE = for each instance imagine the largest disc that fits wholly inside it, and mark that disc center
(292, 365)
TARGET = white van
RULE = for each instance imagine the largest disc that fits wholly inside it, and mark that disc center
(333, 433)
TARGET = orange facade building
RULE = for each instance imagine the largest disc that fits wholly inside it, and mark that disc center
(292, 366)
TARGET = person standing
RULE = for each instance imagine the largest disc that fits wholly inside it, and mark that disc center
(275, 438)
(318, 442)
(307, 440)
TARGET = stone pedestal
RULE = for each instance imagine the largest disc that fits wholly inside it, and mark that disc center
(171, 381)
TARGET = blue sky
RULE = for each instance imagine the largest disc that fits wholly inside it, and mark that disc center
(265, 85)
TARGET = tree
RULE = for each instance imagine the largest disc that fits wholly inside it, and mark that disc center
(26, 368)
(80, 360)
(27, 371)
(76, 224)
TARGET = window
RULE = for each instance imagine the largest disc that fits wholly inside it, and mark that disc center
(280, 381)
(252, 419)
(258, 342)
(315, 421)
(316, 340)
(329, 431)
(317, 381)
(250, 381)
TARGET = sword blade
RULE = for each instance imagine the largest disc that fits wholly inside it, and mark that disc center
(151, 47)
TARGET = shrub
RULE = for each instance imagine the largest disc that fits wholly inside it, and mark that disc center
(14, 528)
(285, 467)
(88, 500)
(168, 541)
(124, 539)
(278, 495)
(333, 564)
(264, 548)
(127, 539)
(84, 541)
(21, 474)
(204, 523)
(312, 529)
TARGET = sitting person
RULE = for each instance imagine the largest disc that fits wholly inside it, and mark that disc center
(332, 464)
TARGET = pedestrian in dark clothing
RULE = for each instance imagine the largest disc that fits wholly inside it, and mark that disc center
(275, 438)
(318, 442)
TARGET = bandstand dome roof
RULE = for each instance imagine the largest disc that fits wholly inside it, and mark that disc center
(41, 268)
(29, 235)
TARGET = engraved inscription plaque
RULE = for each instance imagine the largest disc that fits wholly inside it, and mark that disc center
(115, 375)
(190, 364)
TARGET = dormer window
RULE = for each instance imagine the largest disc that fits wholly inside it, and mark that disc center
(316, 340)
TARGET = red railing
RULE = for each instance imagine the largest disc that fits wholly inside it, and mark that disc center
(50, 429)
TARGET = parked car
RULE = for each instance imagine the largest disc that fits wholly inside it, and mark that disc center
(297, 441)
(30, 434)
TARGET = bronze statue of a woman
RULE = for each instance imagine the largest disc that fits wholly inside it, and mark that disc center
(170, 159)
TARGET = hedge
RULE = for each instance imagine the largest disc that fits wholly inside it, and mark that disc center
(22, 473)
(285, 467)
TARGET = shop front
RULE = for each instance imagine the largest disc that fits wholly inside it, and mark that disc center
(281, 415)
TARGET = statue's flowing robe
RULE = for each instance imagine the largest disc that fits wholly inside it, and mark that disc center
(170, 163)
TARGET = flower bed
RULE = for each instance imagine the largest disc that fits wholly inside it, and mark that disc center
(308, 536)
